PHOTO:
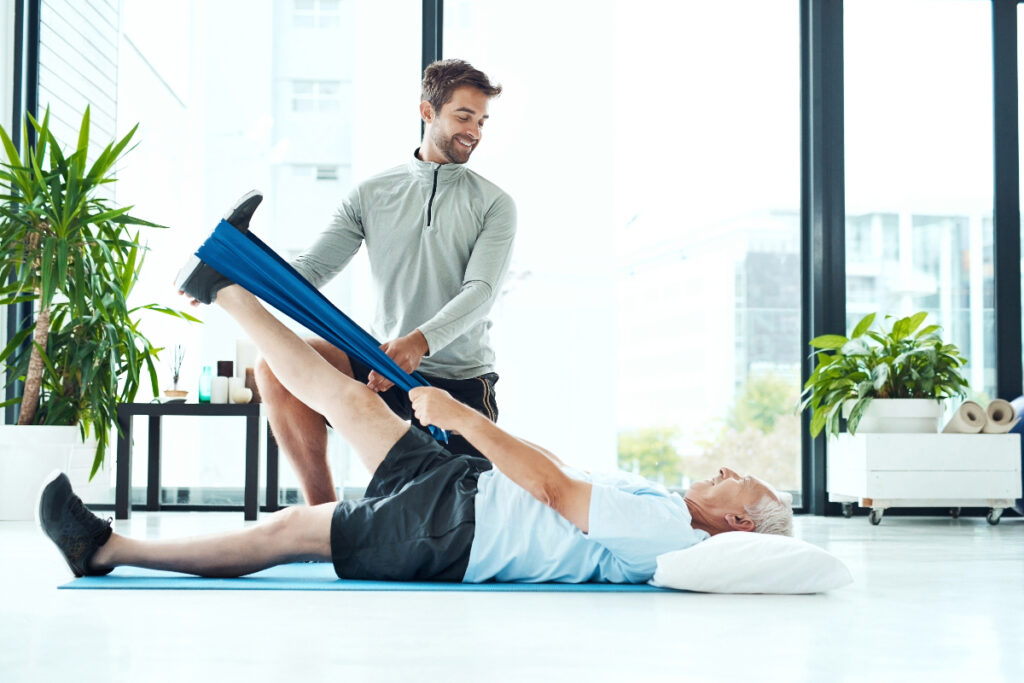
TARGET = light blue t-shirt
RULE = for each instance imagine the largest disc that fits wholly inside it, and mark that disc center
(632, 521)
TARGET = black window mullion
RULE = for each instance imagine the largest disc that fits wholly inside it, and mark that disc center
(823, 207)
(24, 98)
(1006, 209)
(433, 31)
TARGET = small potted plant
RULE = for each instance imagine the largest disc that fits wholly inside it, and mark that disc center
(875, 375)
(174, 393)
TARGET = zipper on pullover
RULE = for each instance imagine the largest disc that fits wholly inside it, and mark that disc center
(433, 190)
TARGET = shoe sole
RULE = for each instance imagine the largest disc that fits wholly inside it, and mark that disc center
(50, 478)
(241, 213)
(195, 268)
(239, 216)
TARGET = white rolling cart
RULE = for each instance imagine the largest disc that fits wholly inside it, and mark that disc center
(880, 471)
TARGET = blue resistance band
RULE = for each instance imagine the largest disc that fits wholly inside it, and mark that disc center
(246, 260)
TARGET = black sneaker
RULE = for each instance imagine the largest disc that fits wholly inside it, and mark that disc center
(69, 524)
(200, 281)
(241, 213)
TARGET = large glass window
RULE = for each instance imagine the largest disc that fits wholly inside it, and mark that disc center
(232, 95)
(652, 317)
(919, 188)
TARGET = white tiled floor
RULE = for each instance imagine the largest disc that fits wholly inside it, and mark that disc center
(934, 600)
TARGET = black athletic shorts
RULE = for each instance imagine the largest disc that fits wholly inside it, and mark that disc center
(417, 520)
(476, 392)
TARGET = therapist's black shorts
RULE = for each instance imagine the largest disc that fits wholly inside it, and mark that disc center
(475, 392)
(417, 520)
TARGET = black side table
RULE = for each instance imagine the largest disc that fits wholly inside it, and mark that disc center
(252, 412)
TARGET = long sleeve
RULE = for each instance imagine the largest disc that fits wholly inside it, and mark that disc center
(481, 283)
(335, 246)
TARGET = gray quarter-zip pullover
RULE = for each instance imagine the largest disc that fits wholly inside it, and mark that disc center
(439, 238)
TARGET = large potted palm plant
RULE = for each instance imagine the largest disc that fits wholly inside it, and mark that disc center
(65, 247)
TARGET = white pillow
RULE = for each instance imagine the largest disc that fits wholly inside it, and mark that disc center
(748, 562)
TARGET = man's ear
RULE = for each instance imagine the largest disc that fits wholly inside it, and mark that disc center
(426, 111)
(739, 522)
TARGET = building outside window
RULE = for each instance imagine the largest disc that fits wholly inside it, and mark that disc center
(316, 14)
(316, 96)
(919, 169)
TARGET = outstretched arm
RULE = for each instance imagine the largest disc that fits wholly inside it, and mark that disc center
(523, 463)
(551, 456)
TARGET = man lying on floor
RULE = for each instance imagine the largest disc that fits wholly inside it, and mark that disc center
(518, 514)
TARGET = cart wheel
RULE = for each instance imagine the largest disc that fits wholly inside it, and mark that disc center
(954, 513)
(847, 510)
(876, 515)
(993, 515)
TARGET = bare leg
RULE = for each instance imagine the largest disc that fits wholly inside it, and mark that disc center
(359, 414)
(301, 431)
(291, 535)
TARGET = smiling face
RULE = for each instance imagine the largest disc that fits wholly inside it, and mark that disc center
(719, 503)
(451, 136)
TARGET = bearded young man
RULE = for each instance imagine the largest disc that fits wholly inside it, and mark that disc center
(439, 239)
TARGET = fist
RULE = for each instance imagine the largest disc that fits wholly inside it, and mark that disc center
(433, 406)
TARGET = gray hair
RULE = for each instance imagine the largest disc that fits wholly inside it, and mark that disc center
(771, 516)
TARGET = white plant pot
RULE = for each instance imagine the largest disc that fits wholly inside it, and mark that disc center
(80, 465)
(28, 453)
(899, 416)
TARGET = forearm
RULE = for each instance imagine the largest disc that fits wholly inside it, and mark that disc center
(481, 281)
(472, 302)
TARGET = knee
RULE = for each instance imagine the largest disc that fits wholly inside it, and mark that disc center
(283, 522)
(271, 389)
(353, 397)
(300, 532)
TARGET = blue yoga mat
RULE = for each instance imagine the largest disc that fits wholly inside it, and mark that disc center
(320, 576)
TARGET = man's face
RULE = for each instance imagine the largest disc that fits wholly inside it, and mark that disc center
(728, 493)
(457, 130)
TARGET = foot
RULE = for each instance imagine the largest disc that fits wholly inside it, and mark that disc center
(76, 532)
(200, 281)
(240, 214)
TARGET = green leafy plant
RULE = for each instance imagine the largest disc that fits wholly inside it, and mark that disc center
(652, 452)
(879, 361)
(65, 248)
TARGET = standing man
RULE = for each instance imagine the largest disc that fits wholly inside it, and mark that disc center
(439, 239)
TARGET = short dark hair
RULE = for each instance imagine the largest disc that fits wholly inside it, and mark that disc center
(445, 76)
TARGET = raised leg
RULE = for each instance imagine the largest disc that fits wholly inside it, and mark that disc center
(301, 431)
(290, 535)
(356, 412)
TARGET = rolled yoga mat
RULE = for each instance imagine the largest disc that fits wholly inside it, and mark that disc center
(969, 418)
(1001, 417)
